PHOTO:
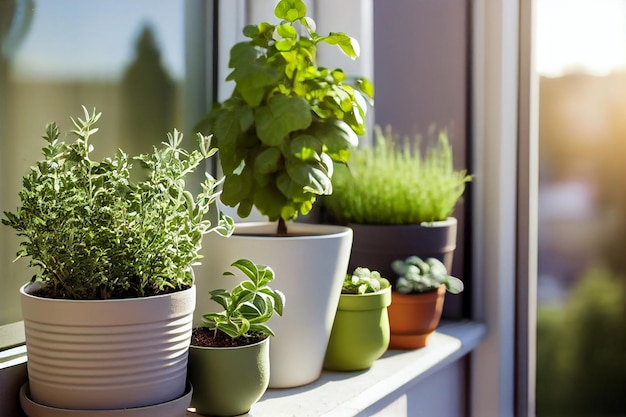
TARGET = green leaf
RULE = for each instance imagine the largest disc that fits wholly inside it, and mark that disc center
(270, 201)
(290, 10)
(312, 176)
(287, 31)
(348, 45)
(248, 267)
(268, 161)
(306, 148)
(454, 285)
(227, 131)
(237, 188)
(249, 311)
(366, 87)
(282, 115)
(337, 137)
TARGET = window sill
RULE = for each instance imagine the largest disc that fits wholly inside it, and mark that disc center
(346, 394)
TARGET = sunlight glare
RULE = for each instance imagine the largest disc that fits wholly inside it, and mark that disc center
(580, 35)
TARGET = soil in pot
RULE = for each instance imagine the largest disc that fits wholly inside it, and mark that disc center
(205, 337)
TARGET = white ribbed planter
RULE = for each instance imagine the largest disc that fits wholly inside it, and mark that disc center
(309, 268)
(107, 354)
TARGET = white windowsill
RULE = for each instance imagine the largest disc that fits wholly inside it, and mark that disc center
(346, 394)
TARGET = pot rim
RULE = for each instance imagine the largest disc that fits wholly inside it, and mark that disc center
(24, 290)
(368, 301)
(222, 348)
(266, 230)
(450, 221)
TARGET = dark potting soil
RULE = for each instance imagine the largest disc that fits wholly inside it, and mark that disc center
(205, 337)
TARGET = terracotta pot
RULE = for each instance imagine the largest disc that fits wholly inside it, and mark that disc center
(414, 317)
(360, 333)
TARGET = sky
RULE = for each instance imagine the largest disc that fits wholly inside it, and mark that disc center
(575, 35)
(96, 39)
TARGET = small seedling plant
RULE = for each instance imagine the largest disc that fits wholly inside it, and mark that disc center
(363, 281)
(92, 232)
(247, 308)
(416, 275)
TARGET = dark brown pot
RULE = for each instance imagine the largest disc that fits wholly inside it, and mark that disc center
(414, 317)
(377, 246)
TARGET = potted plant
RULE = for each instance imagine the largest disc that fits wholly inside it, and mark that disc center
(360, 332)
(229, 356)
(108, 313)
(398, 200)
(417, 300)
(279, 132)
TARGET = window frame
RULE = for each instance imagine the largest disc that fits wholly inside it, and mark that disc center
(505, 199)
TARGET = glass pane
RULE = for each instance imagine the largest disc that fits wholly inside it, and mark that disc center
(581, 328)
(125, 58)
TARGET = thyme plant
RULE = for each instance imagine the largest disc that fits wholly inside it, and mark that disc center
(93, 233)
(287, 119)
(249, 305)
(394, 183)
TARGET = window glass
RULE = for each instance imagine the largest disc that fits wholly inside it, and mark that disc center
(125, 58)
(581, 320)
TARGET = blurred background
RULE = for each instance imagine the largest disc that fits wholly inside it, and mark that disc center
(581, 328)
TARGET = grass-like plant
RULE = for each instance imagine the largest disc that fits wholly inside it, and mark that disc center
(248, 306)
(94, 233)
(393, 182)
(363, 281)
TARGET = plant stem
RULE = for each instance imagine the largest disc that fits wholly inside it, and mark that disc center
(282, 227)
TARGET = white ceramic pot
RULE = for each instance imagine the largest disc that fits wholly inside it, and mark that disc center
(175, 408)
(309, 265)
(107, 354)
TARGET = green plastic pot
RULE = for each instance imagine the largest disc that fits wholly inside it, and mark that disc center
(360, 332)
(227, 381)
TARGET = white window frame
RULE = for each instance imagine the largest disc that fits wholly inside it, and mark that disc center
(505, 199)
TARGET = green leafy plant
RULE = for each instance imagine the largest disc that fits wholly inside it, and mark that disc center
(93, 233)
(363, 281)
(416, 275)
(249, 305)
(287, 119)
(394, 183)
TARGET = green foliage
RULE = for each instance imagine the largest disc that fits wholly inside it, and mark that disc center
(249, 305)
(363, 281)
(392, 183)
(92, 233)
(287, 119)
(581, 349)
(416, 275)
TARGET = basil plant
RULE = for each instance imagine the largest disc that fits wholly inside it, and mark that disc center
(287, 119)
